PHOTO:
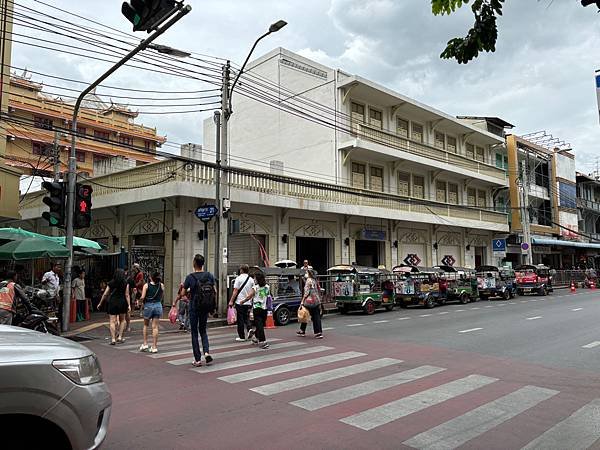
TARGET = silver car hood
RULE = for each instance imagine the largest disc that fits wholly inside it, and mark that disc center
(20, 345)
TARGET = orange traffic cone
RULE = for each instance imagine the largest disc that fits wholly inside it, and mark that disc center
(270, 322)
(573, 289)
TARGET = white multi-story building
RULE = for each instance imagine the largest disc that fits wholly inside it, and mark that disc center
(441, 172)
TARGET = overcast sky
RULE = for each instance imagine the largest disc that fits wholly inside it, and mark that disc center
(540, 78)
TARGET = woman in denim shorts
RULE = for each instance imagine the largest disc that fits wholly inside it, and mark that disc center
(152, 297)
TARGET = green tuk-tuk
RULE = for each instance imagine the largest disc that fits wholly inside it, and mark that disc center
(417, 286)
(361, 288)
(461, 284)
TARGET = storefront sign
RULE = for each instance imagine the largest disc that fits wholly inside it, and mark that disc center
(544, 249)
(372, 235)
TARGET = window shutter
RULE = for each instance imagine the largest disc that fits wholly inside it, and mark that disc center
(404, 184)
(453, 193)
(440, 191)
(480, 154)
(402, 127)
(376, 178)
(358, 175)
(439, 140)
(418, 188)
(471, 197)
(481, 202)
(417, 132)
(451, 144)
(376, 118)
(470, 151)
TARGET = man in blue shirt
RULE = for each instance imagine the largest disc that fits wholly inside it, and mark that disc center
(201, 286)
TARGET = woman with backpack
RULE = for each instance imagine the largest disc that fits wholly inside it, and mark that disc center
(259, 295)
(152, 297)
(119, 303)
(311, 300)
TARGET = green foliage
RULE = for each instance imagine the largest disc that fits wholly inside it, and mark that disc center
(481, 37)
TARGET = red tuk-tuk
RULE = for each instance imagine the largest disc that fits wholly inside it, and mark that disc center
(533, 279)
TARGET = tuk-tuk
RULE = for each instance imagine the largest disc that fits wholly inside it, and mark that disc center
(417, 286)
(461, 284)
(361, 288)
(286, 285)
(495, 281)
(533, 279)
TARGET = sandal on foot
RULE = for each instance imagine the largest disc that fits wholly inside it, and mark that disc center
(113, 342)
(197, 364)
(143, 348)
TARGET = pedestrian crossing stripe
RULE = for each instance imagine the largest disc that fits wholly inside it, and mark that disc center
(188, 350)
(131, 344)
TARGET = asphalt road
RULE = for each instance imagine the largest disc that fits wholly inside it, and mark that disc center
(519, 374)
(552, 330)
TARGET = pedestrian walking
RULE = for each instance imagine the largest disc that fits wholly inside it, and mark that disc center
(182, 303)
(10, 291)
(119, 303)
(311, 300)
(202, 294)
(78, 286)
(258, 302)
(242, 286)
(152, 298)
(51, 284)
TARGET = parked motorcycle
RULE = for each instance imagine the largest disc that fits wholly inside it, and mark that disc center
(32, 318)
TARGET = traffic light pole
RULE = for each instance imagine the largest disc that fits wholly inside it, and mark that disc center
(71, 179)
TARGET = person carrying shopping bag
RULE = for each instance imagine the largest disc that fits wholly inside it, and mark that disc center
(259, 296)
(311, 300)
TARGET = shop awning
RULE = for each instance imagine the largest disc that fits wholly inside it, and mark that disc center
(559, 243)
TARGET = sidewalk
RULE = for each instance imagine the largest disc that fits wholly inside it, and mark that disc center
(98, 326)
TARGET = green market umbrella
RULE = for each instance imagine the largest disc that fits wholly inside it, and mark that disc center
(18, 234)
(32, 248)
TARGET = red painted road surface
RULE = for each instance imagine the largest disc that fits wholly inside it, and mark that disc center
(158, 405)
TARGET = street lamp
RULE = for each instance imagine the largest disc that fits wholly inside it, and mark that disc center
(274, 28)
(165, 49)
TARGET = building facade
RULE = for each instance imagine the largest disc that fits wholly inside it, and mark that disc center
(36, 134)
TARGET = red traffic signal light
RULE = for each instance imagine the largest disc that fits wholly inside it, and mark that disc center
(83, 206)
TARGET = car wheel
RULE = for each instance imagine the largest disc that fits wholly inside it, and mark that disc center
(282, 316)
(369, 307)
(464, 298)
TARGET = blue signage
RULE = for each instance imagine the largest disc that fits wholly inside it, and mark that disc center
(207, 212)
(373, 235)
(499, 245)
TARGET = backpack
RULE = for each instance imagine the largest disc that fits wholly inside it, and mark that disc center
(204, 294)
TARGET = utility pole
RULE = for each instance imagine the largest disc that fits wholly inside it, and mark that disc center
(221, 232)
(56, 157)
(525, 212)
(175, 15)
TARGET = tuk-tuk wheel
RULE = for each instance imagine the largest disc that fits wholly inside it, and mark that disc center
(369, 307)
(506, 295)
(282, 316)
(464, 298)
(429, 303)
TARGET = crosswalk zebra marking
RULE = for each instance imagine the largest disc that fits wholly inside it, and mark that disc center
(188, 350)
(389, 412)
(315, 378)
(173, 340)
(259, 373)
(579, 431)
(368, 387)
(474, 423)
(244, 351)
(264, 357)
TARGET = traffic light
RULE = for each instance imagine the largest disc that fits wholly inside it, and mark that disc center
(147, 15)
(590, 2)
(82, 217)
(56, 200)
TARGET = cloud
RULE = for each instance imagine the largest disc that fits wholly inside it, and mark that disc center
(540, 77)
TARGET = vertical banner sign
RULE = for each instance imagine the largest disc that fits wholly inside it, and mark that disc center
(598, 90)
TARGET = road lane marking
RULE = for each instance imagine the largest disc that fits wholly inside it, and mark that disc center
(512, 303)
(316, 378)
(457, 431)
(262, 357)
(577, 432)
(576, 309)
(425, 315)
(187, 350)
(403, 318)
(489, 306)
(470, 329)
(244, 351)
(368, 387)
(477, 307)
(459, 310)
(259, 373)
(389, 412)
(328, 328)
(381, 321)
(591, 344)
(533, 300)
(533, 318)
(355, 325)
(444, 312)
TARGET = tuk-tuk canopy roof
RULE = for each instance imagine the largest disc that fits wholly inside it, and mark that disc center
(487, 269)
(403, 268)
(454, 269)
(532, 267)
(280, 271)
(356, 269)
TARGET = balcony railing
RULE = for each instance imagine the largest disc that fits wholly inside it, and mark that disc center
(247, 180)
(588, 204)
(393, 140)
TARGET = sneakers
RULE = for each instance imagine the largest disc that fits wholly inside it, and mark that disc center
(254, 341)
(153, 350)
(143, 348)
(319, 336)
(208, 358)
(264, 345)
(239, 339)
(251, 334)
